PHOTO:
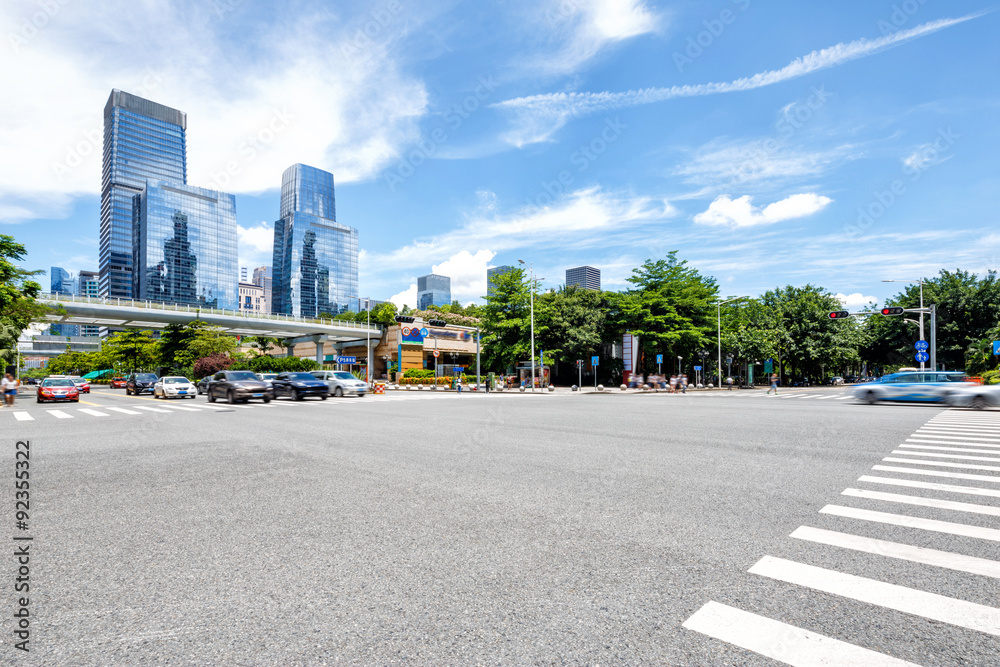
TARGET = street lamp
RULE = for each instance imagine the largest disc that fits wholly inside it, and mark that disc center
(921, 282)
(719, 331)
(531, 271)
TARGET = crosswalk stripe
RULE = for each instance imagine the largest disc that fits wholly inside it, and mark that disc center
(93, 413)
(184, 408)
(23, 417)
(823, 398)
(933, 486)
(124, 411)
(954, 441)
(953, 449)
(152, 409)
(960, 426)
(900, 598)
(844, 398)
(939, 473)
(781, 641)
(942, 464)
(59, 414)
(920, 501)
(923, 433)
(933, 525)
(948, 456)
(945, 559)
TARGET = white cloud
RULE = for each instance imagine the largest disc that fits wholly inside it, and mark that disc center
(407, 297)
(255, 244)
(925, 156)
(855, 300)
(256, 103)
(741, 212)
(537, 117)
(468, 274)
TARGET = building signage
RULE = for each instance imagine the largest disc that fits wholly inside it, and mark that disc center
(452, 334)
(347, 360)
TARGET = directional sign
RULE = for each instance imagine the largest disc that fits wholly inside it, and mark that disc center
(697, 368)
(347, 360)
(922, 357)
(423, 332)
(996, 347)
(659, 358)
(593, 361)
(921, 346)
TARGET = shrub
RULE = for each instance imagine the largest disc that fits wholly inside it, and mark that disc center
(211, 365)
(991, 377)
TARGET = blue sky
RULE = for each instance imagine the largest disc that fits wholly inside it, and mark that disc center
(769, 143)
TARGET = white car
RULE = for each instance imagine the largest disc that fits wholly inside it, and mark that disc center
(174, 386)
(975, 396)
(342, 383)
(912, 387)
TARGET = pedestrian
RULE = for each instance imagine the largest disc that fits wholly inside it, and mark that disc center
(673, 384)
(729, 382)
(684, 384)
(458, 385)
(774, 384)
(9, 389)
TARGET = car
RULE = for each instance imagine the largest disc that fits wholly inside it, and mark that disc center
(174, 386)
(911, 387)
(975, 396)
(342, 383)
(238, 387)
(203, 384)
(836, 380)
(81, 385)
(117, 383)
(299, 385)
(57, 389)
(139, 383)
(267, 378)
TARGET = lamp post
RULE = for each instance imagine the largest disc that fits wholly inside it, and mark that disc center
(719, 331)
(531, 271)
(921, 282)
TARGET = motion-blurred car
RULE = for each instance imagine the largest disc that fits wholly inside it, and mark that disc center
(203, 384)
(81, 385)
(117, 383)
(267, 378)
(174, 386)
(139, 383)
(975, 396)
(57, 389)
(342, 383)
(238, 387)
(299, 385)
(911, 387)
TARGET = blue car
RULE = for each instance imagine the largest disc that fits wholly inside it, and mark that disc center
(912, 387)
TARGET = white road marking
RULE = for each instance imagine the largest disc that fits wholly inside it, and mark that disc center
(152, 409)
(907, 600)
(124, 411)
(920, 501)
(94, 413)
(935, 441)
(962, 426)
(23, 417)
(942, 464)
(185, 408)
(934, 486)
(938, 435)
(933, 525)
(939, 473)
(780, 641)
(945, 559)
(823, 398)
(952, 449)
(844, 398)
(59, 414)
(949, 456)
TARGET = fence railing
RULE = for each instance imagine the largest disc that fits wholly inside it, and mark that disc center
(181, 307)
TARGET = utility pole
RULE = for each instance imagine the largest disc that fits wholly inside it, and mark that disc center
(478, 381)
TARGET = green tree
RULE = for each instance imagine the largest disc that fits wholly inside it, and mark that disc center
(569, 323)
(18, 307)
(133, 349)
(506, 325)
(263, 344)
(384, 314)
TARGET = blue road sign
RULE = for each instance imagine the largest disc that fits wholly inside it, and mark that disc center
(921, 346)
(996, 347)
(347, 360)
(697, 368)
(659, 358)
(593, 361)
(424, 332)
(922, 357)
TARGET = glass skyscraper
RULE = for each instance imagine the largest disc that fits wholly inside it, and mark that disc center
(492, 274)
(143, 141)
(433, 290)
(184, 246)
(315, 262)
(62, 282)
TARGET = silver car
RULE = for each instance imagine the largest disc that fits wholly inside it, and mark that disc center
(342, 383)
(912, 387)
(975, 396)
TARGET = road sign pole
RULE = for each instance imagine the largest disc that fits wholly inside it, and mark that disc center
(933, 336)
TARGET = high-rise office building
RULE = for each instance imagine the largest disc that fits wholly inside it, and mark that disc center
(433, 290)
(185, 246)
(251, 298)
(492, 274)
(62, 282)
(315, 259)
(88, 282)
(142, 140)
(243, 274)
(263, 277)
(584, 277)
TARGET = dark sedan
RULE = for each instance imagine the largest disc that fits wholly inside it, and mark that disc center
(139, 383)
(299, 385)
(238, 387)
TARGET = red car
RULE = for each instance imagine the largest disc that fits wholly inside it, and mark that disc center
(117, 383)
(81, 385)
(57, 389)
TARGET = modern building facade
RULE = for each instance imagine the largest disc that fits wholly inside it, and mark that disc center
(264, 277)
(315, 260)
(251, 298)
(492, 274)
(184, 248)
(143, 141)
(61, 281)
(584, 277)
(88, 282)
(433, 290)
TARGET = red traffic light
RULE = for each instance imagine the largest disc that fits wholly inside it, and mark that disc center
(892, 311)
(839, 315)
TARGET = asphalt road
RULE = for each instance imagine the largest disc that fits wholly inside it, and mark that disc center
(504, 529)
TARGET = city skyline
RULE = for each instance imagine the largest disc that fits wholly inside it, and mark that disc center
(866, 139)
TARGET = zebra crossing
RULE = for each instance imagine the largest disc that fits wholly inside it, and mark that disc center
(790, 394)
(954, 440)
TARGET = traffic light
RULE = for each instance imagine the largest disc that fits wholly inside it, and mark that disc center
(405, 319)
(437, 323)
(839, 315)
(892, 311)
